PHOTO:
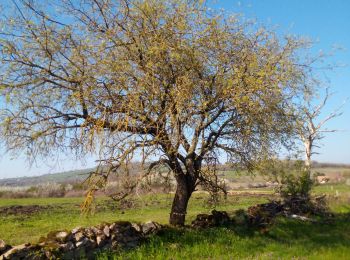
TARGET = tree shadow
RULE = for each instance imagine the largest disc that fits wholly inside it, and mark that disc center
(325, 233)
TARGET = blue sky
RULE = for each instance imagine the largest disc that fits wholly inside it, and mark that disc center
(325, 21)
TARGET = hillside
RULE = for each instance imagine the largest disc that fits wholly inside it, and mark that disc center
(61, 177)
(80, 175)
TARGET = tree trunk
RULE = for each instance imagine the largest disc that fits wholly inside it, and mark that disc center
(308, 150)
(183, 193)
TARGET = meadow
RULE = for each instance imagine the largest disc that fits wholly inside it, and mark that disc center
(286, 239)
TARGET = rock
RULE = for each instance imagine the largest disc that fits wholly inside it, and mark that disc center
(115, 245)
(67, 247)
(203, 221)
(62, 236)
(16, 251)
(78, 236)
(101, 240)
(96, 231)
(106, 231)
(48, 254)
(137, 227)
(76, 230)
(112, 227)
(221, 217)
(3, 247)
(217, 218)
(120, 227)
(150, 228)
(89, 233)
(83, 242)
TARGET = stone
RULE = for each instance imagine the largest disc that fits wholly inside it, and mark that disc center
(101, 239)
(62, 236)
(89, 233)
(49, 254)
(106, 231)
(221, 217)
(115, 245)
(112, 227)
(96, 231)
(78, 236)
(67, 247)
(16, 251)
(83, 242)
(150, 227)
(217, 218)
(137, 227)
(203, 221)
(3, 247)
(76, 230)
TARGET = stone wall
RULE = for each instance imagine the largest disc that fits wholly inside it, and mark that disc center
(82, 242)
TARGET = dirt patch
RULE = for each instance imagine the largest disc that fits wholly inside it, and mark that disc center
(23, 210)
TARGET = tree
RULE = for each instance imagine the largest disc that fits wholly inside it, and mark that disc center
(310, 127)
(167, 82)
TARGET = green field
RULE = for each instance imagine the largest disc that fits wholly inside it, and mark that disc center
(286, 239)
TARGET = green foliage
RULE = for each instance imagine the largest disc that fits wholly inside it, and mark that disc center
(292, 177)
(299, 185)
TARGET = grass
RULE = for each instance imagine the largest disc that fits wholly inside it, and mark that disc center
(287, 239)
(66, 214)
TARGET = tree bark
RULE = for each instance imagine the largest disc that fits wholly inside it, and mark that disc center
(183, 193)
(308, 150)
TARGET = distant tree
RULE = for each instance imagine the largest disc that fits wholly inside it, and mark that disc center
(170, 82)
(310, 124)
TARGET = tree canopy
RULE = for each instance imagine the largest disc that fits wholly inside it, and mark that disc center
(167, 82)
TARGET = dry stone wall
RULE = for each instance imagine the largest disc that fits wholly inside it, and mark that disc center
(82, 242)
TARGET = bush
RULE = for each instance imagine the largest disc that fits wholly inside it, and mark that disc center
(297, 186)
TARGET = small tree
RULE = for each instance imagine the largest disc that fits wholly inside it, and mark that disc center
(166, 81)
